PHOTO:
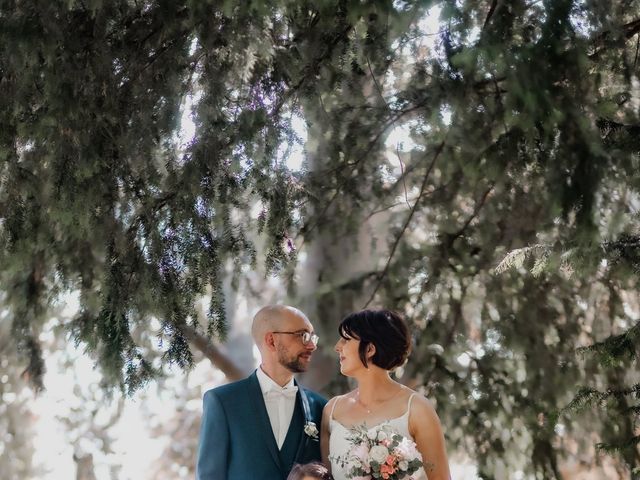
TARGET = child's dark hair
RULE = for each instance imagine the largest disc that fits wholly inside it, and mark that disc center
(313, 469)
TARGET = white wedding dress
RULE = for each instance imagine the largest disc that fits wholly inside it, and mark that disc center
(339, 445)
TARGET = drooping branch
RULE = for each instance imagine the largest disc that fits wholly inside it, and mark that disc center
(218, 358)
(602, 41)
(492, 10)
(476, 210)
(382, 275)
(319, 218)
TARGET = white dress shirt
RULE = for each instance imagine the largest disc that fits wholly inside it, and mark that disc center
(280, 403)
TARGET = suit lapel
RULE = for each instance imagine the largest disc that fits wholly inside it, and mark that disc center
(304, 401)
(262, 418)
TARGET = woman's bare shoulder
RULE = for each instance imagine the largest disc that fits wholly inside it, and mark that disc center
(422, 409)
(330, 404)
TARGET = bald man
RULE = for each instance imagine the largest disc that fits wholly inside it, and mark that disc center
(259, 427)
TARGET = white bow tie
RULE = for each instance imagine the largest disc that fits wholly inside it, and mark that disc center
(289, 392)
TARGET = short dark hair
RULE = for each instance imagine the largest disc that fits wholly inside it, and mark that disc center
(311, 469)
(386, 330)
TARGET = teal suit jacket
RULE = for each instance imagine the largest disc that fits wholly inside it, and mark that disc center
(236, 440)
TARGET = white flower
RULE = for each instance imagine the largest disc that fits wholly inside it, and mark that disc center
(403, 465)
(378, 453)
(381, 436)
(311, 430)
(372, 434)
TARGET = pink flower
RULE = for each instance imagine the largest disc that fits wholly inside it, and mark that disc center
(390, 460)
(407, 449)
(361, 452)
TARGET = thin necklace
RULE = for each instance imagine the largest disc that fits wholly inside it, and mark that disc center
(362, 405)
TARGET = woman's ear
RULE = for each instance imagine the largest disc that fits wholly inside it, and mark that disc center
(371, 351)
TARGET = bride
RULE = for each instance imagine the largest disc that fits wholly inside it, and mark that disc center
(371, 344)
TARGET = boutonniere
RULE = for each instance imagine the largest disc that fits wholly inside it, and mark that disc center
(311, 430)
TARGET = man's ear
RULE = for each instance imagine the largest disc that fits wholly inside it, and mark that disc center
(269, 340)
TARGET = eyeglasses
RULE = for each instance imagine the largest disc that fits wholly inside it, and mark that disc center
(307, 337)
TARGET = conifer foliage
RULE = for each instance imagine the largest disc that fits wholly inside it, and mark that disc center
(523, 155)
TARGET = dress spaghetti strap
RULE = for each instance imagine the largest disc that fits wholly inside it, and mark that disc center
(409, 402)
(333, 407)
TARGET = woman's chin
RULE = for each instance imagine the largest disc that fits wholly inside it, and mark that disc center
(346, 371)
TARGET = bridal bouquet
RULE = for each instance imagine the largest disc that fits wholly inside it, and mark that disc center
(379, 453)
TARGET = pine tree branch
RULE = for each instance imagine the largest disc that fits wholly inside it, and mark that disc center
(404, 184)
(381, 277)
(476, 210)
(587, 397)
(375, 82)
(307, 229)
(311, 70)
(616, 347)
(401, 180)
(492, 10)
(397, 115)
(634, 410)
(629, 444)
(219, 359)
(477, 85)
(166, 46)
(386, 208)
(156, 204)
(600, 41)
(408, 199)
(629, 29)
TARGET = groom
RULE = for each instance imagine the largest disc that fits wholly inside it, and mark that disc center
(260, 426)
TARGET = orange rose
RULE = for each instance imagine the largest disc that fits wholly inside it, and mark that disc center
(387, 469)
